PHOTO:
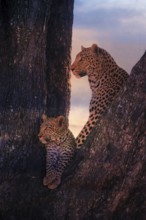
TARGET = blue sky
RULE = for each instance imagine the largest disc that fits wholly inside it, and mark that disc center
(118, 26)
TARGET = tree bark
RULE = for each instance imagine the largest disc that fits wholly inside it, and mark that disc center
(35, 42)
(110, 182)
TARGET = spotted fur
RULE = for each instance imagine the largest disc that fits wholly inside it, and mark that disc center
(60, 147)
(105, 78)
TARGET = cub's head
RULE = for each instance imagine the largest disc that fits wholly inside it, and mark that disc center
(52, 129)
(85, 60)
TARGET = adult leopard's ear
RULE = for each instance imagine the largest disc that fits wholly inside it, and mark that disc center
(94, 48)
(82, 48)
(60, 120)
(44, 117)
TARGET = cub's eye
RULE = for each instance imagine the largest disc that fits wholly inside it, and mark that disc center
(50, 128)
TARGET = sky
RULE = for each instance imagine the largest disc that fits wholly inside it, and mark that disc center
(118, 26)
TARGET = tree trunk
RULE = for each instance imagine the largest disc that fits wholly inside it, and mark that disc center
(35, 43)
(110, 182)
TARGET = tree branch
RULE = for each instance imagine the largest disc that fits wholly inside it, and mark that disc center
(110, 180)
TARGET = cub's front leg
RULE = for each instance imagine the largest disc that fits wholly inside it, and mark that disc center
(57, 159)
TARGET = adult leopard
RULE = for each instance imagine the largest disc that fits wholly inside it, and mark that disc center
(106, 79)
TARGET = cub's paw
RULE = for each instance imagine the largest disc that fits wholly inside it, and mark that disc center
(51, 181)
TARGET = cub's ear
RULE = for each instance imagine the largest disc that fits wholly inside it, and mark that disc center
(60, 120)
(82, 48)
(94, 48)
(44, 117)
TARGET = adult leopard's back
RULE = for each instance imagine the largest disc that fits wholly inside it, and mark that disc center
(106, 79)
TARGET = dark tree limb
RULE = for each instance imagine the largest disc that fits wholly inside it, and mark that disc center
(110, 182)
(35, 42)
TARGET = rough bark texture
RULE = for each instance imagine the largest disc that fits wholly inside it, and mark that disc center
(110, 182)
(35, 41)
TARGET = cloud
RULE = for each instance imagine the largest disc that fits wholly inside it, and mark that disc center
(80, 91)
(122, 18)
(104, 18)
(86, 5)
(77, 119)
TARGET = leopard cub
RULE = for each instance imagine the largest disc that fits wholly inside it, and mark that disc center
(60, 148)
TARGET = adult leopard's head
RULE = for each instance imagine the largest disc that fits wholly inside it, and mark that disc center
(53, 130)
(86, 60)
